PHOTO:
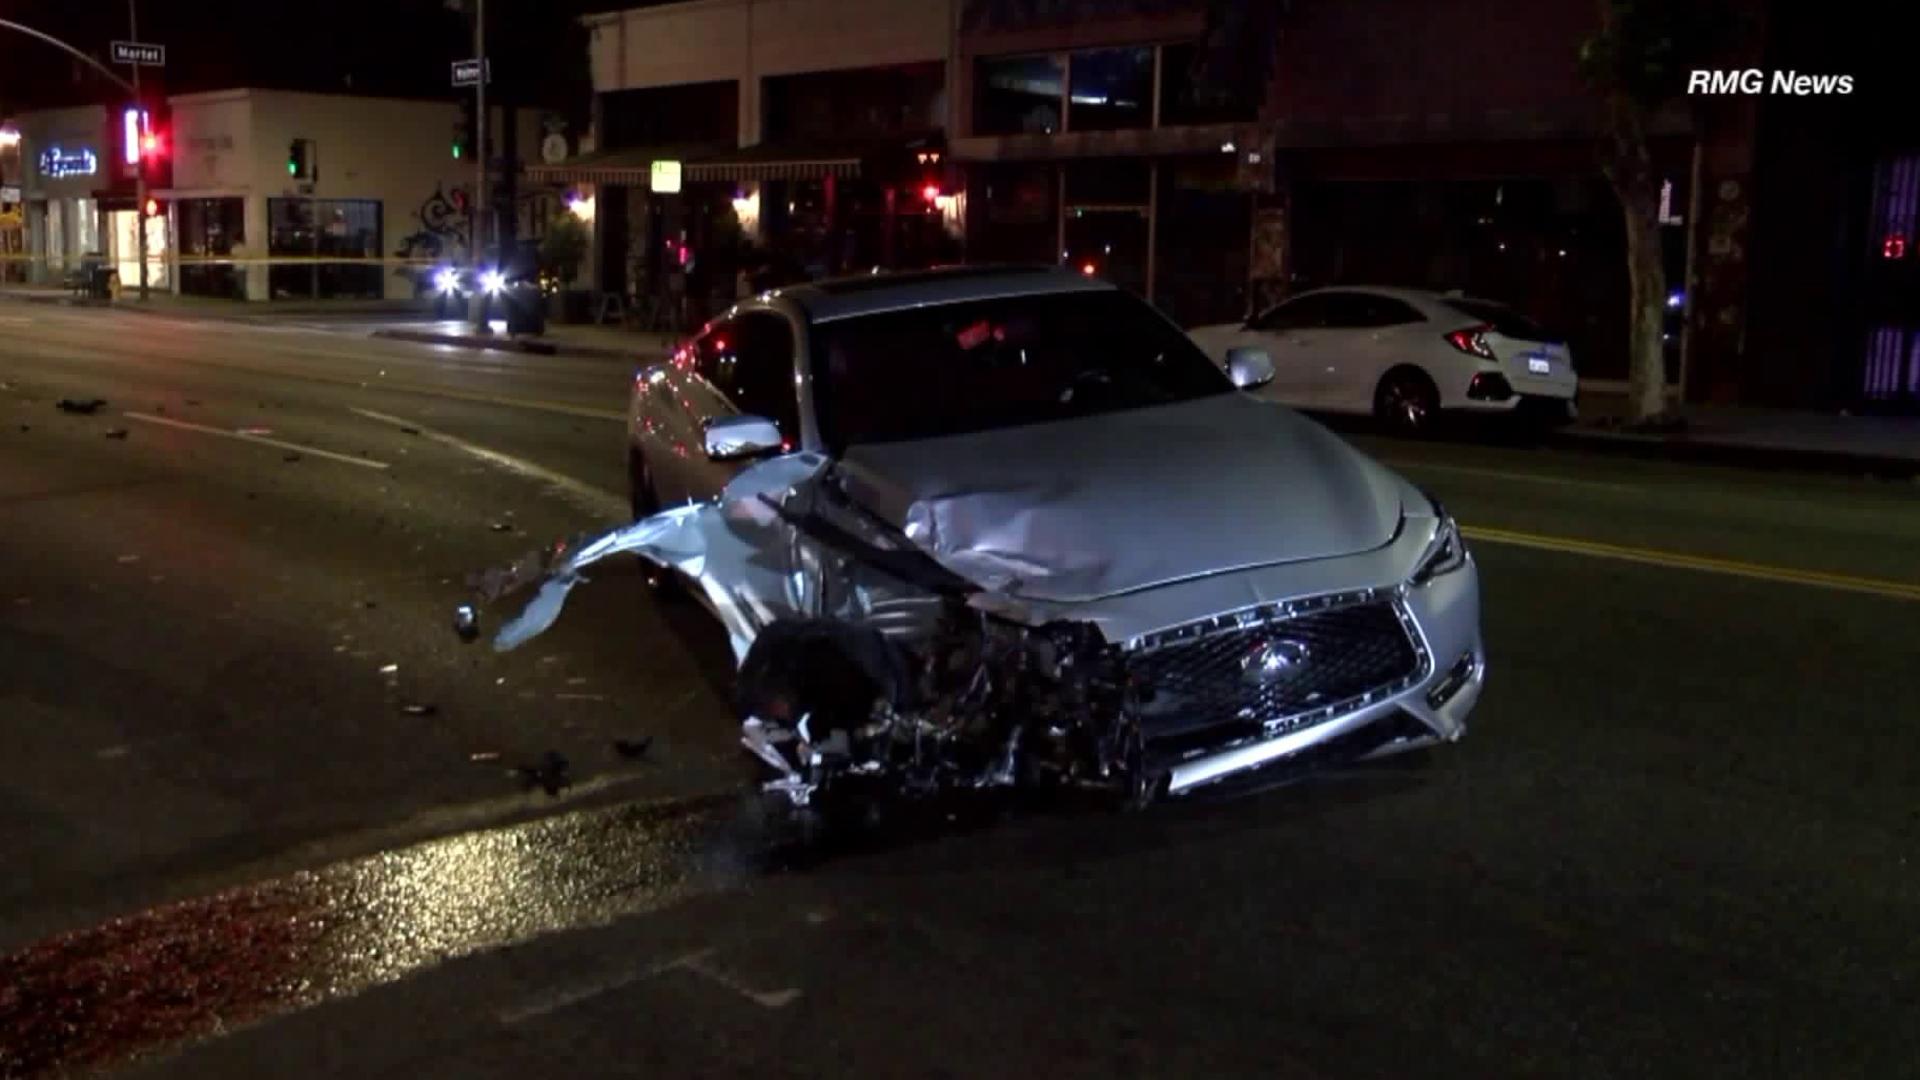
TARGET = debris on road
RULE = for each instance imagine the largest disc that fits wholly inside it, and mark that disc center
(409, 431)
(634, 748)
(501, 526)
(117, 433)
(291, 458)
(83, 408)
(466, 623)
(390, 669)
(419, 710)
(552, 773)
(484, 755)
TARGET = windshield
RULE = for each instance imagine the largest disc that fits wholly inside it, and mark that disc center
(1503, 319)
(955, 369)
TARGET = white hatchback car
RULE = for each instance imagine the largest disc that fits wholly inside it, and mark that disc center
(1404, 356)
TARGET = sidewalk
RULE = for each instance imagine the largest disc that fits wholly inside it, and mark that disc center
(1883, 446)
(206, 307)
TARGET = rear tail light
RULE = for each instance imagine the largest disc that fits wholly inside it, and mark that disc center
(1472, 341)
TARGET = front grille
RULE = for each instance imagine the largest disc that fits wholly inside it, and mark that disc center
(1274, 668)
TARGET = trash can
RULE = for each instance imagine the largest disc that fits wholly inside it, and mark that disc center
(526, 308)
(100, 282)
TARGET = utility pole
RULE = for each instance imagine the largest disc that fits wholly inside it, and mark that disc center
(139, 154)
(481, 196)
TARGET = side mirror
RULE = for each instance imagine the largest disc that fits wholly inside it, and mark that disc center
(733, 438)
(1249, 368)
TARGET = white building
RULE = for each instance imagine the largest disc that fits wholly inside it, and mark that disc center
(232, 222)
(386, 187)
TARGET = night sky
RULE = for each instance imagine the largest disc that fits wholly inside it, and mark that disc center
(378, 47)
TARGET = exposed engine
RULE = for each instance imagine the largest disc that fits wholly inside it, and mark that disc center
(847, 719)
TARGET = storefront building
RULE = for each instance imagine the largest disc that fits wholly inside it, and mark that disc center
(805, 136)
(1087, 142)
(385, 187)
(65, 158)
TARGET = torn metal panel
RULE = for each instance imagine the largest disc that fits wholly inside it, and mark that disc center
(764, 551)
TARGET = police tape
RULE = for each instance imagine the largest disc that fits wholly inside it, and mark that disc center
(77, 262)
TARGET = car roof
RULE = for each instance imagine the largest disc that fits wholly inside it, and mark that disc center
(870, 294)
(1416, 297)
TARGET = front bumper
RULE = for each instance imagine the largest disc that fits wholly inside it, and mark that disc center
(1431, 707)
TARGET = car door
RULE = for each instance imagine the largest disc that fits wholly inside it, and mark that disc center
(745, 367)
(1365, 337)
(1288, 332)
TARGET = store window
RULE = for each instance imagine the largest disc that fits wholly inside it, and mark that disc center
(1019, 95)
(212, 229)
(1112, 89)
(1187, 97)
(344, 229)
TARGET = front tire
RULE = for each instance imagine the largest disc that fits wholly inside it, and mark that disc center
(1407, 402)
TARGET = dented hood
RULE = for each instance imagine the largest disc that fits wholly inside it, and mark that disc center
(1090, 508)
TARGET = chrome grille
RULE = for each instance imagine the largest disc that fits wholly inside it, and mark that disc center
(1276, 667)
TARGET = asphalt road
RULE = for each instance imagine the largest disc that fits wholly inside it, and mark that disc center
(1679, 841)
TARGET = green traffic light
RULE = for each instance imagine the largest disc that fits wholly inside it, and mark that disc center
(292, 169)
(456, 150)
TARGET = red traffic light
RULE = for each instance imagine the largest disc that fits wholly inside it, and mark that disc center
(930, 192)
(153, 208)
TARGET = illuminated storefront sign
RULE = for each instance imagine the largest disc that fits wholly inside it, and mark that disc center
(56, 164)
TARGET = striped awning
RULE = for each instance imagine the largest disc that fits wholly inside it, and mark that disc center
(733, 171)
(633, 167)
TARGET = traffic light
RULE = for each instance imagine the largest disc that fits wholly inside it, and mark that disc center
(463, 132)
(300, 159)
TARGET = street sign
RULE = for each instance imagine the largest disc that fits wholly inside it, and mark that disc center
(133, 52)
(467, 72)
(664, 178)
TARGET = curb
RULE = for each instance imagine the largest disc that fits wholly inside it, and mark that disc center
(1695, 450)
(503, 343)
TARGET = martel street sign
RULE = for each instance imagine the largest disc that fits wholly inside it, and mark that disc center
(133, 52)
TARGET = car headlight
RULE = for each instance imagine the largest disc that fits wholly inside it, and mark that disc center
(1446, 553)
(447, 280)
(493, 281)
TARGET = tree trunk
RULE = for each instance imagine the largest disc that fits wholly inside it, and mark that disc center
(1647, 289)
(1629, 166)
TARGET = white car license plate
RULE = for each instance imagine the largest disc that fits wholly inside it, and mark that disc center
(1539, 365)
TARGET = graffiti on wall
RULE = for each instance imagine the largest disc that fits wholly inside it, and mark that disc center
(446, 223)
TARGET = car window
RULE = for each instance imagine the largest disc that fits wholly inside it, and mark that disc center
(982, 365)
(1503, 319)
(762, 376)
(1387, 311)
(749, 360)
(1300, 313)
(1348, 311)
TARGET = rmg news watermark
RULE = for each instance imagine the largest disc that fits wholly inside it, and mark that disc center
(1756, 81)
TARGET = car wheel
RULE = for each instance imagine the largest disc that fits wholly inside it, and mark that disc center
(645, 500)
(1407, 402)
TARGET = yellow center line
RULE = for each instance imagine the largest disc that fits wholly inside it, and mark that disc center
(1897, 590)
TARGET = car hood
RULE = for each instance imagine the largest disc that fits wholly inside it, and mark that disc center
(1095, 507)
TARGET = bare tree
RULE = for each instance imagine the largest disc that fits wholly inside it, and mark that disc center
(1638, 63)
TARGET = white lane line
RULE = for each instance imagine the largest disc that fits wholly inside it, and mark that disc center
(262, 440)
(592, 499)
(1498, 474)
(553, 1003)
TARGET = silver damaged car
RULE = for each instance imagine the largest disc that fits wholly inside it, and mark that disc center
(1009, 527)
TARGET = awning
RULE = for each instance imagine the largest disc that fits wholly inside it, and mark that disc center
(810, 160)
(633, 166)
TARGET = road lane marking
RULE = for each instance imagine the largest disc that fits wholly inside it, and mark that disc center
(262, 440)
(1896, 590)
(553, 1003)
(590, 498)
(1498, 474)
